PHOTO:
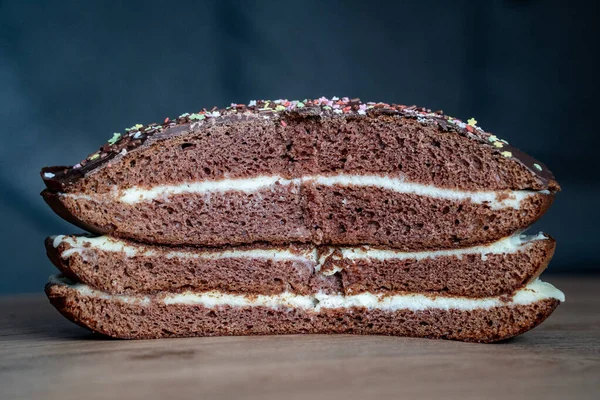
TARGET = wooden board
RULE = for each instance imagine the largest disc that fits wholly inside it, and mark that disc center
(42, 355)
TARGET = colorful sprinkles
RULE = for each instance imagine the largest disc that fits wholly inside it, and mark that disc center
(197, 117)
(120, 144)
(114, 139)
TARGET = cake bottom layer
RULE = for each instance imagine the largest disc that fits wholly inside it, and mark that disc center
(214, 314)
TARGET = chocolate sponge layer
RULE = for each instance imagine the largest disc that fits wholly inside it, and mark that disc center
(121, 266)
(470, 274)
(302, 213)
(423, 147)
(158, 320)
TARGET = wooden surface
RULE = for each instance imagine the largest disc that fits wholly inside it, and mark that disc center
(44, 356)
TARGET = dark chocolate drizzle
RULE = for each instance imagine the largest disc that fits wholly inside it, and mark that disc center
(60, 178)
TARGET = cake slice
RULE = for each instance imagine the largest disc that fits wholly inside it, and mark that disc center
(119, 266)
(212, 313)
(326, 172)
(321, 216)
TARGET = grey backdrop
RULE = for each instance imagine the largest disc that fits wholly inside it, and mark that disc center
(71, 73)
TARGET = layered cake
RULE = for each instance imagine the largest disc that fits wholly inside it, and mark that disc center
(320, 216)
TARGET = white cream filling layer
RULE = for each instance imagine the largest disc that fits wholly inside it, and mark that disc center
(507, 245)
(495, 199)
(81, 244)
(533, 292)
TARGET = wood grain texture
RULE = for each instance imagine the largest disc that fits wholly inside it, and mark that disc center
(42, 355)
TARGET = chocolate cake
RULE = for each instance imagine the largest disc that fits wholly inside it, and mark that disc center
(320, 216)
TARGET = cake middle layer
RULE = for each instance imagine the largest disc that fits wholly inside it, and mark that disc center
(322, 209)
(120, 266)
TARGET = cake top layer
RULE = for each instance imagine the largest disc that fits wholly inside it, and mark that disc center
(59, 177)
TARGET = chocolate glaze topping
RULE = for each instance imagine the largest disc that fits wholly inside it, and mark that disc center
(58, 178)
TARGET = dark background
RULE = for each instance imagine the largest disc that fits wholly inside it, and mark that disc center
(72, 73)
